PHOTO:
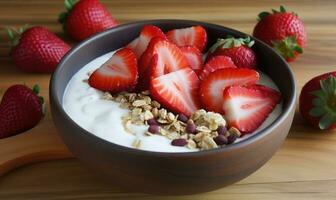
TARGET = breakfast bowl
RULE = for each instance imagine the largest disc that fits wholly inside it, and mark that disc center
(170, 172)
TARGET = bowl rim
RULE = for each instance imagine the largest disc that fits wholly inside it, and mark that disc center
(255, 137)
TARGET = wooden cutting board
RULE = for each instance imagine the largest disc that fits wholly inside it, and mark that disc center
(38, 144)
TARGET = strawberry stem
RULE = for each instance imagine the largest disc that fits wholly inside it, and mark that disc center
(36, 90)
(265, 13)
(324, 105)
(230, 42)
(15, 34)
(68, 4)
(287, 47)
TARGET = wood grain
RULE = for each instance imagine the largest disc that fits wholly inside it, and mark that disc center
(304, 168)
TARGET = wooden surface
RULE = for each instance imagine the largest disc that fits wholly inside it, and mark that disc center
(304, 168)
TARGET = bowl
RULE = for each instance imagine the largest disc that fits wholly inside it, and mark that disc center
(170, 173)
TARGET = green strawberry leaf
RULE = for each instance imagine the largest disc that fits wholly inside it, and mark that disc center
(262, 15)
(230, 42)
(317, 111)
(15, 34)
(325, 122)
(282, 9)
(287, 47)
(324, 103)
(36, 89)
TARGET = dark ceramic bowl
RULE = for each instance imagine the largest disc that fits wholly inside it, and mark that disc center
(170, 173)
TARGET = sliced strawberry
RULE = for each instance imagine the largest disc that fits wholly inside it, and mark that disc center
(247, 108)
(216, 62)
(117, 74)
(215, 83)
(169, 58)
(177, 91)
(264, 88)
(191, 36)
(139, 45)
(147, 56)
(194, 57)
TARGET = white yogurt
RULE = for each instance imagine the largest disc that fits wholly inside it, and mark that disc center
(103, 117)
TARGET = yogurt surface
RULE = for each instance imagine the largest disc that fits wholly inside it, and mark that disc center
(103, 118)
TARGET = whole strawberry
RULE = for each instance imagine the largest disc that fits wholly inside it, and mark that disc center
(85, 18)
(317, 101)
(20, 110)
(238, 49)
(36, 49)
(283, 30)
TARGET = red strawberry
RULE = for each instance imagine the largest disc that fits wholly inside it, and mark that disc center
(216, 62)
(85, 18)
(177, 91)
(215, 83)
(36, 49)
(246, 108)
(191, 36)
(317, 101)
(238, 49)
(283, 30)
(139, 44)
(169, 58)
(147, 56)
(194, 57)
(118, 74)
(20, 110)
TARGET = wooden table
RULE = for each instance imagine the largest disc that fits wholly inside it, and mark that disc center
(305, 166)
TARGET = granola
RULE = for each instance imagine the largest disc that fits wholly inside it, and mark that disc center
(203, 130)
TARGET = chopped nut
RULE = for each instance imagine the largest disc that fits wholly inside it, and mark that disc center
(136, 112)
(107, 96)
(163, 131)
(184, 136)
(155, 112)
(199, 136)
(209, 143)
(191, 144)
(126, 124)
(156, 104)
(234, 131)
(147, 133)
(170, 117)
(136, 143)
(162, 121)
(173, 136)
(146, 107)
(124, 105)
(163, 113)
(139, 103)
(203, 129)
(145, 92)
(148, 115)
(214, 134)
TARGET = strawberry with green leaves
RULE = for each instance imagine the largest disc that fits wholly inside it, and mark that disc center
(282, 30)
(36, 49)
(20, 109)
(317, 101)
(238, 49)
(84, 18)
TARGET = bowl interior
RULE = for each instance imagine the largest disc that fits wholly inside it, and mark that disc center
(268, 60)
